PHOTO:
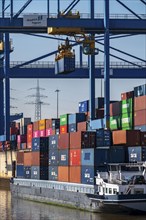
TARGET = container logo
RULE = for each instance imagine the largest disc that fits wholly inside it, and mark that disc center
(63, 157)
(87, 175)
(133, 155)
(87, 156)
(125, 120)
(125, 105)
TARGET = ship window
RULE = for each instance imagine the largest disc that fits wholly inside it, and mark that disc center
(110, 190)
(106, 190)
(114, 191)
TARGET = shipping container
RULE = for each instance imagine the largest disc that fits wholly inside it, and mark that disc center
(127, 95)
(82, 126)
(115, 123)
(20, 171)
(88, 174)
(27, 158)
(75, 174)
(140, 90)
(53, 142)
(25, 121)
(55, 124)
(75, 140)
(53, 157)
(127, 121)
(75, 157)
(140, 127)
(127, 106)
(13, 145)
(99, 113)
(22, 138)
(140, 103)
(63, 173)
(49, 131)
(23, 146)
(36, 134)
(63, 141)
(39, 158)
(63, 129)
(142, 138)
(118, 154)
(137, 154)
(75, 118)
(36, 126)
(64, 157)
(20, 158)
(88, 139)
(42, 133)
(72, 128)
(27, 172)
(42, 124)
(103, 138)
(35, 172)
(65, 65)
(84, 106)
(115, 108)
(23, 130)
(48, 123)
(126, 137)
(53, 173)
(40, 144)
(140, 117)
(64, 119)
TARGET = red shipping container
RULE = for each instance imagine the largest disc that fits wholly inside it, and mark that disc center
(75, 157)
(27, 158)
(126, 137)
(36, 134)
(42, 133)
(99, 113)
(20, 158)
(143, 138)
(63, 173)
(115, 108)
(75, 140)
(127, 95)
(82, 126)
(75, 174)
(49, 132)
(48, 123)
(63, 129)
(18, 145)
(139, 103)
(63, 141)
(140, 117)
(29, 138)
(35, 159)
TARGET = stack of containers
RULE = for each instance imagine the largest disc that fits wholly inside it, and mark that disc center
(29, 135)
(49, 130)
(63, 146)
(21, 141)
(39, 158)
(140, 107)
(73, 119)
(75, 156)
(89, 157)
(27, 165)
(36, 132)
(127, 110)
(103, 138)
(20, 165)
(56, 126)
(115, 115)
(53, 157)
(23, 125)
(64, 123)
(42, 128)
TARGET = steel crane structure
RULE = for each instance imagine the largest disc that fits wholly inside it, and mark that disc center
(107, 26)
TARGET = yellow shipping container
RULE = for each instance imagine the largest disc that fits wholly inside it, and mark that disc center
(42, 124)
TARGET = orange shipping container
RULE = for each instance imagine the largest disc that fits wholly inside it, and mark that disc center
(63, 173)
(139, 103)
(20, 157)
(82, 126)
(27, 158)
(140, 117)
(30, 129)
(75, 174)
(75, 139)
(63, 129)
(48, 123)
(36, 126)
(126, 137)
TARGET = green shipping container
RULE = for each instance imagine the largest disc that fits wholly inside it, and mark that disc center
(127, 106)
(115, 123)
(64, 119)
(127, 121)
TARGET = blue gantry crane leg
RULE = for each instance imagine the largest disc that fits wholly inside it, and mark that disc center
(106, 64)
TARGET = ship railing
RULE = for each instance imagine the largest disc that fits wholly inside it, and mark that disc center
(83, 15)
(84, 65)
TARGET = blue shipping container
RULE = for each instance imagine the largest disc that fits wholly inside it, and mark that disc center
(63, 157)
(2, 137)
(39, 144)
(65, 65)
(88, 174)
(103, 138)
(118, 154)
(140, 90)
(55, 124)
(72, 128)
(140, 127)
(35, 172)
(27, 172)
(53, 157)
(75, 118)
(137, 154)
(20, 171)
(53, 173)
(84, 106)
(53, 141)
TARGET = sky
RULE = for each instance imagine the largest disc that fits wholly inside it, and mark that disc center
(72, 91)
